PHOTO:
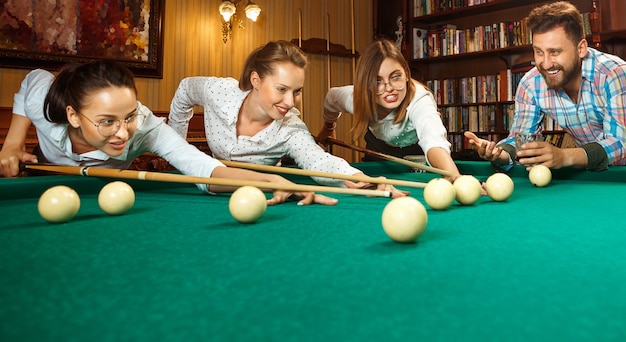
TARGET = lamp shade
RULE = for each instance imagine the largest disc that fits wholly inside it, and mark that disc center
(227, 9)
(252, 11)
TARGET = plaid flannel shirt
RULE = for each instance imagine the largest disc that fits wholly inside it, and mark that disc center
(599, 116)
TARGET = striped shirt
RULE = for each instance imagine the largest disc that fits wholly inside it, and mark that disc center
(599, 116)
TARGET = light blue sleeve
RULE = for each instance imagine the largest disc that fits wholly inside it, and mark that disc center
(157, 137)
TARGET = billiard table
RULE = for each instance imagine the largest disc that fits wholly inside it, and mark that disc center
(547, 264)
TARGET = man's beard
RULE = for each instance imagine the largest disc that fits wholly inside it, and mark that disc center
(567, 75)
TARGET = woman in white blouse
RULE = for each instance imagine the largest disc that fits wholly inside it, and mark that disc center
(254, 119)
(88, 115)
(395, 114)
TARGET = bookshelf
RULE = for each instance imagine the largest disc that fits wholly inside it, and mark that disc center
(471, 53)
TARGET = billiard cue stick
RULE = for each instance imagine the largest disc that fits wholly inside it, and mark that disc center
(312, 173)
(328, 71)
(176, 178)
(301, 102)
(392, 158)
(354, 59)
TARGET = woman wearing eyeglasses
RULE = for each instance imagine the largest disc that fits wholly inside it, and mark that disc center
(395, 114)
(88, 115)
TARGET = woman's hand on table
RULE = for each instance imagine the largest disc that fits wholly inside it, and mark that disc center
(11, 159)
(395, 193)
(303, 198)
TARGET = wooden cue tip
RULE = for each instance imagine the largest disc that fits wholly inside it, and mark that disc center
(311, 173)
(390, 157)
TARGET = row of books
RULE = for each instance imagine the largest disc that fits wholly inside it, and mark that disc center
(508, 111)
(509, 80)
(466, 90)
(558, 139)
(550, 125)
(478, 89)
(470, 118)
(561, 139)
(425, 7)
(449, 40)
(459, 143)
(483, 118)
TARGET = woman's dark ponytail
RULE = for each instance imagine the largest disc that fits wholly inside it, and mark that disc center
(76, 82)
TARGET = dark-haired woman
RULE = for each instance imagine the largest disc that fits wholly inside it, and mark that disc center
(88, 115)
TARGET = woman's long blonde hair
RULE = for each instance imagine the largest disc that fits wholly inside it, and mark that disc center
(365, 107)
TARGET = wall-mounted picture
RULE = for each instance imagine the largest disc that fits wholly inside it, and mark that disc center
(48, 34)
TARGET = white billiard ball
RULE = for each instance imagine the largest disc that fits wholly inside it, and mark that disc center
(58, 204)
(247, 204)
(468, 189)
(439, 193)
(540, 175)
(499, 186)
(404, 219)
(116, 198)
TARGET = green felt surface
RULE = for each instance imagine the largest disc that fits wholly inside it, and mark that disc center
(546, 265)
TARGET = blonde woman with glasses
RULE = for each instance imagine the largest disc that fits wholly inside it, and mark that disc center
(395, 114)
(88, 115)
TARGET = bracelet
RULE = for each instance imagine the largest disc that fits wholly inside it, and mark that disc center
(330, 126)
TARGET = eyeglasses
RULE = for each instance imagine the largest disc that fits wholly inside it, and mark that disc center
(396, 82)
(108, 127)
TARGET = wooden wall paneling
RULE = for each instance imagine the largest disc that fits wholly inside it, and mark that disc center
(10, 80)
(193, 46)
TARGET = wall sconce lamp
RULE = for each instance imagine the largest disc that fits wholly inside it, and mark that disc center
(228, 11)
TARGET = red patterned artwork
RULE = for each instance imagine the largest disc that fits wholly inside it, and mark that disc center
(46, 33)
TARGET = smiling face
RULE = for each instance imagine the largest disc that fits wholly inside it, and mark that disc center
(114, 103)
(558, 59)
(390, 98)
(279, 91)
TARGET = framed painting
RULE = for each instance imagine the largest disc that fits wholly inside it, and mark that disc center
(48, 34)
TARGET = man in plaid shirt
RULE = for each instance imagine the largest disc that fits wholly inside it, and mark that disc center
(582, 89)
